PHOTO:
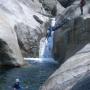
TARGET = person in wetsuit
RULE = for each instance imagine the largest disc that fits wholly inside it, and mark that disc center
(16, 85)
(82, 3)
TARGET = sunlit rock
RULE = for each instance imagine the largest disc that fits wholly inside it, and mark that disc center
(10, 54)
(72, 74)
(17, 23)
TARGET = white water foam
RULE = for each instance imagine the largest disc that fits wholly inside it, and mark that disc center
(50, 60)
(46, 44)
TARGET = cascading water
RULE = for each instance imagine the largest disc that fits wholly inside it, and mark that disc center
(46, 44)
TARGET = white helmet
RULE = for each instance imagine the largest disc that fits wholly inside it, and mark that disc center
(17, 80)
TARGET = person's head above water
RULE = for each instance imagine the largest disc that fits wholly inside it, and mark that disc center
(17, 80)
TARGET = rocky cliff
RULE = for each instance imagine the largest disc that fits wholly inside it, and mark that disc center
(10, 53)
(71, 47)
(73, 33)
(23, 24)
(19, 23)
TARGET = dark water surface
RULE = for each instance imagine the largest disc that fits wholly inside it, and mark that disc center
(31, 77)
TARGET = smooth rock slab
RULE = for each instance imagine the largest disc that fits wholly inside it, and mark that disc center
(72, 74)
(10, 54)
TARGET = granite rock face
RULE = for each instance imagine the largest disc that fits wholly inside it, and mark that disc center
(18, 20)
(72, 50)
(10, 54)
(29, 20)
(28, 39)
(66, 3)
(74, 73)
(34, 23)
(73, 34)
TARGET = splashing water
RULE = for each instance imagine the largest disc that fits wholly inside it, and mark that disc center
(46, 44)
(46, 47)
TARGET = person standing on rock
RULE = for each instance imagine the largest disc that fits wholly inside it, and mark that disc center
(82, 3)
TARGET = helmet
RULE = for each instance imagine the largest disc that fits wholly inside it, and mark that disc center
(17, 80)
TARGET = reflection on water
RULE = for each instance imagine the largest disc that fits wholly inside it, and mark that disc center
(32, 76)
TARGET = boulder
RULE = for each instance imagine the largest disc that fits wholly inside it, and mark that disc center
(10, 54)
(74, 74)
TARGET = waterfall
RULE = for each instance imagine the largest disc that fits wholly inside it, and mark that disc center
(45, 47)
(46, 44)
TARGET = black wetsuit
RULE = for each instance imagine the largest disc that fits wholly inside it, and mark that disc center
(82, 3)
(17, 86)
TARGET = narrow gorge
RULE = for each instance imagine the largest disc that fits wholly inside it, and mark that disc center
(45, 43)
